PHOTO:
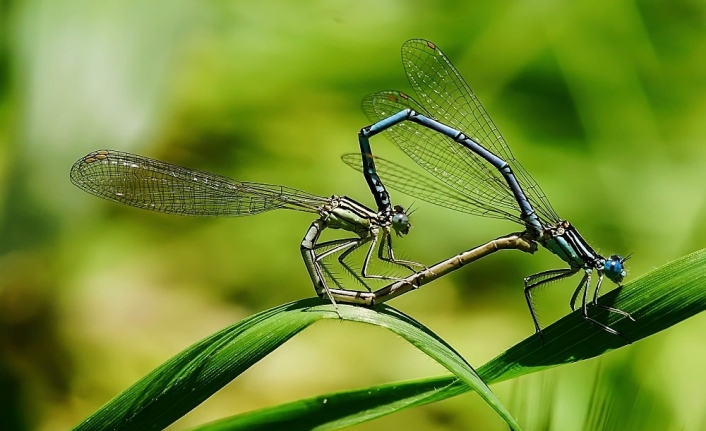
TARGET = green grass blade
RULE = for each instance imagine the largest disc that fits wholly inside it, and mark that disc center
(180, 384)
(428, 342)
(657, 301)
(334, 411)
(183, 382)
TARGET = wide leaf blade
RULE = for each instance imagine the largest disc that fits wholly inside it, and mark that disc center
(657, 301)
(186, 380)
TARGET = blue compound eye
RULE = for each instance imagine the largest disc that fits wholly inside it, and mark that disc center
(614, 268)
(400, 223)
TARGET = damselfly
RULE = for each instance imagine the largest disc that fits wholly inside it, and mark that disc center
(482, 175)
(154, 185)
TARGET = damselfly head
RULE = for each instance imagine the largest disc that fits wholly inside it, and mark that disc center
(614, 268)
(400, 221)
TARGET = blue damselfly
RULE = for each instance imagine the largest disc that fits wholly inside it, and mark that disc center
(450, 134)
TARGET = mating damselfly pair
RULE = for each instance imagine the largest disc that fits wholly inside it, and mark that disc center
(447, 132)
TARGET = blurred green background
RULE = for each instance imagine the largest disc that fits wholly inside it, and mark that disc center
(603, 102)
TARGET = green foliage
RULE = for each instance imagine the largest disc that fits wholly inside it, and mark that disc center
(657, 301)
(186, 380)
(602, 102)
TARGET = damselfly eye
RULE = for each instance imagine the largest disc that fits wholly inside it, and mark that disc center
(400, 223)
(614, 268)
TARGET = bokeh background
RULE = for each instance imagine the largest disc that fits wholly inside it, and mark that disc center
(604, 102)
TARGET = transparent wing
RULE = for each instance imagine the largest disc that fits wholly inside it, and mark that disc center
(454, 165)
(154, 185)
(447, 96)
(425, 188)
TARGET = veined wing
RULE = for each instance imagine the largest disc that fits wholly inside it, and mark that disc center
(154, 185)
(425, 188)
(450, 100)
(453, 164)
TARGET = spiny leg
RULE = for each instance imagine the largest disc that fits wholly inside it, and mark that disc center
(342, 294)
(342, 260)
(324, 286)
(575, 295)
(331, 276)
(584, 307)
(375, 236)
(354, 245)
(536, 280)
(307, 249)
(341, 244)
(583, 286)
(595, 303)
(391, 254)
(386, 240)
(313, 263)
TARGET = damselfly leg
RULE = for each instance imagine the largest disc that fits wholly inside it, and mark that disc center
(536, 280)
